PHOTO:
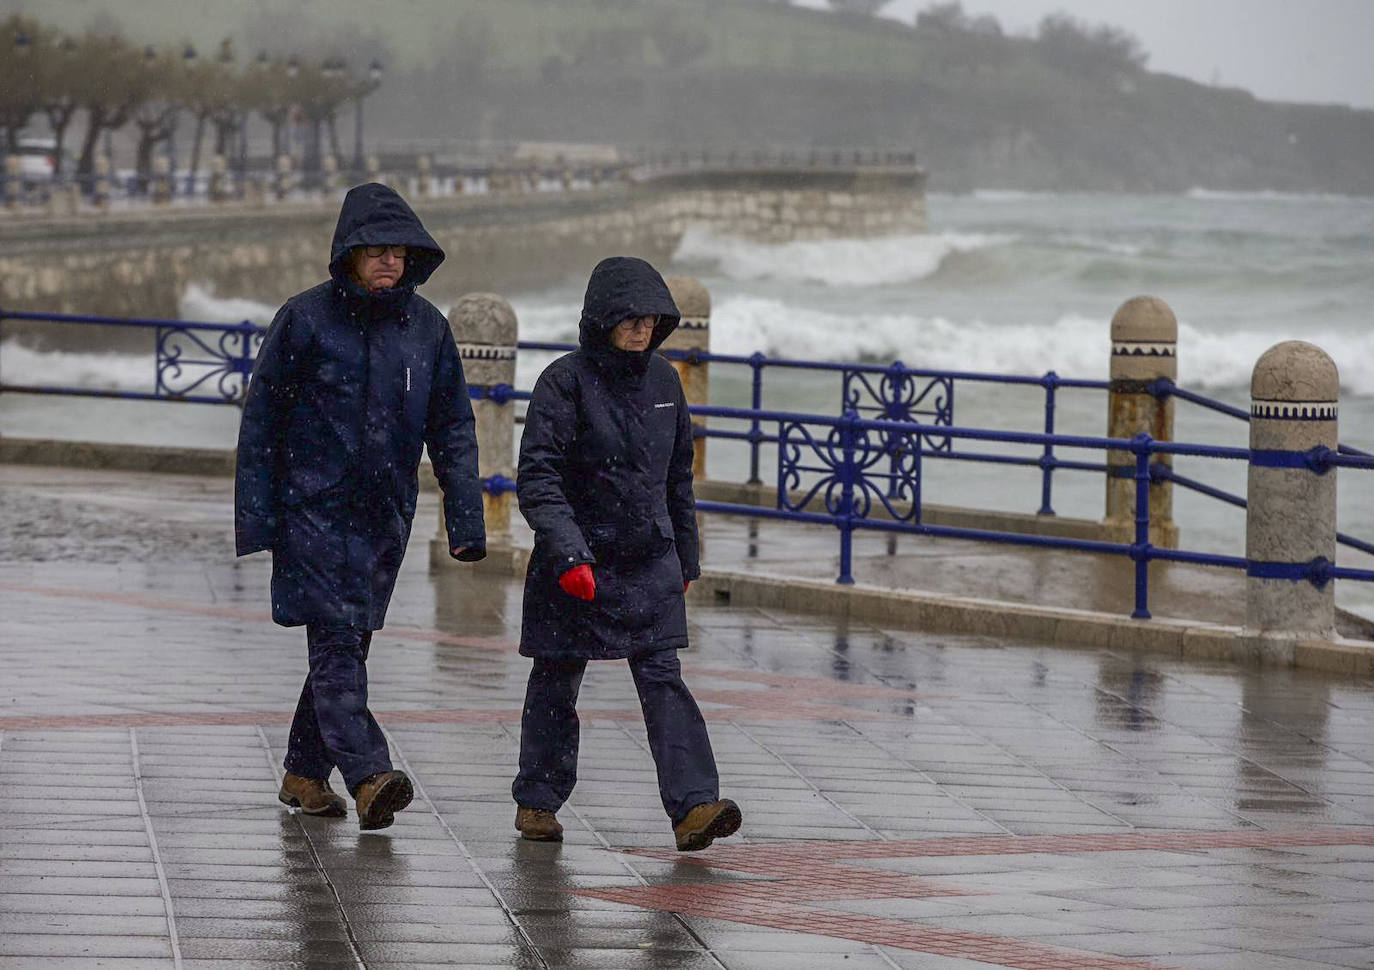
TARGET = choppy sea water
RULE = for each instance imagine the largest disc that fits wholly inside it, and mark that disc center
(1003, 282)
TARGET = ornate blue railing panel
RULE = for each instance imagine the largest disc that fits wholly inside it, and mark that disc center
(192, 357)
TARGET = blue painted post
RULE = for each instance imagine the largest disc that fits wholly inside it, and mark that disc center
(242, 363)
(1140, 549)
(847, 472)
(693, 335)
(1050, 382)
(756, 360)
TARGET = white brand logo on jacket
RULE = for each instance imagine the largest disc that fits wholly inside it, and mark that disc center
(666, 404)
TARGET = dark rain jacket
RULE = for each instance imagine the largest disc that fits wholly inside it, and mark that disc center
(605, 477)
(347, 389)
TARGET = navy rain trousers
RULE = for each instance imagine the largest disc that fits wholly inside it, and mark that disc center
(333, 727)
(677, 734)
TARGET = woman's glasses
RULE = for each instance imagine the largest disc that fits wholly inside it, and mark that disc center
(376, 251)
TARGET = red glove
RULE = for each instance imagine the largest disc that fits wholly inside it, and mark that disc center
(685, 584)
(579, 582)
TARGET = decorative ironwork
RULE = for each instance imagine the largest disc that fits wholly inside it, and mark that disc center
(900, 395)
(213, 362)
(848, 457)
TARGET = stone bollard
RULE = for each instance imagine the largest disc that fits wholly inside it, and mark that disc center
(162, 180)
(424, 182)
(100, 188)
(693, 333)
(1291, 520)
(329, 173)
(14, 182)
(374, 169)
(485, 329)
(1144, 350)
(284, 179)
(219, 179)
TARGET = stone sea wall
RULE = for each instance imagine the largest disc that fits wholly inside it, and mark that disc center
(140, 262)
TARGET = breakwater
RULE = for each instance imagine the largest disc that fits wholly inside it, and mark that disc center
(138, 262)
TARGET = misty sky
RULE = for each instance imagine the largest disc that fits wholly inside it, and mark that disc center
(1285, 50)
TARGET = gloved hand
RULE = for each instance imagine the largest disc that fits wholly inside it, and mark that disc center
(579, 582)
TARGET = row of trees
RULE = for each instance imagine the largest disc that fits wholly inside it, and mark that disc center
(112, 83)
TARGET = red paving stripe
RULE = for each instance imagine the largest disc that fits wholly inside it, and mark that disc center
(802, 872)
(804, 856)
(715, 901)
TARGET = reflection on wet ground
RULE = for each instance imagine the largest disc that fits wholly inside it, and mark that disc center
(911, 800)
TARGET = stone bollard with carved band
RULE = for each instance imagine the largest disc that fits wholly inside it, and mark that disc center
(162, 180)
(485, 329)
(693, 333)
(14, 181)
(219, 178)
(284, 181)
(1144, 350)
(100, 188)
(1290, 526)
(424, 179)
(329, 177)
(374, 169)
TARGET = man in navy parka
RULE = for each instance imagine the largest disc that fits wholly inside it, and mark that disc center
(605, 482)
(354, 378)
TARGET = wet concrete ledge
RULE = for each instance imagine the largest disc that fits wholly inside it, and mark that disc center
(933, 612)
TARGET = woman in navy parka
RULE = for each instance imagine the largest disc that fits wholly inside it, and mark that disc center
(354, 378)
(605, 482)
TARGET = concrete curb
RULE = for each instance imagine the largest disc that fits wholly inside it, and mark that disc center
(942, 613)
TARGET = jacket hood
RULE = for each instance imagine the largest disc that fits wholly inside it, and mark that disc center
(375, 215)
(620, 287)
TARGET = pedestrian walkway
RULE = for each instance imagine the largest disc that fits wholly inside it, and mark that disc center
(911, 800)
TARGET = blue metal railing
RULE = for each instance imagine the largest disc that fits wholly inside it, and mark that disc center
(189, 357)
(852, 464)
(893, 391)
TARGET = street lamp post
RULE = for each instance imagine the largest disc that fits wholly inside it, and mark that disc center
(374, 79)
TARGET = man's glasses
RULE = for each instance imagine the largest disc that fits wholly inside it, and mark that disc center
(376, 251)
(638, 323)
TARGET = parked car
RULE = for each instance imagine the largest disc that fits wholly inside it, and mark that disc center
(37, 158)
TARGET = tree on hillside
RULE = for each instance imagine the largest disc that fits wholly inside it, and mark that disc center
(863, 8)
(678, 41)
(1101, 52)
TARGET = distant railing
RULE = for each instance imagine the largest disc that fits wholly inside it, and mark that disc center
(464, 172)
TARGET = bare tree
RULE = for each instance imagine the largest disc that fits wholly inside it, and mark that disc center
(21, 44)
(110, 85)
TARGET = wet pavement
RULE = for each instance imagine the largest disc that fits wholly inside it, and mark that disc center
(911, 800)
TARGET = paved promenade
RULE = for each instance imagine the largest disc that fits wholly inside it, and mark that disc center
(911, 800)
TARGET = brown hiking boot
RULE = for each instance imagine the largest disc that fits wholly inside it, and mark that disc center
(313, 796)
(538, 824)
(380, 797)
(706, 823)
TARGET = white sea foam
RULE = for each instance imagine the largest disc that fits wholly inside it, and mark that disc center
(109, 372)
(833, 262)
(199, 303)
(1268, 195)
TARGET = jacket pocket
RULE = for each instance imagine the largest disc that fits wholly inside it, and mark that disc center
(630, 541)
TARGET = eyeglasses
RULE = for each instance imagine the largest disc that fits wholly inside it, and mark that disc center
(638, 323)
(376, 251)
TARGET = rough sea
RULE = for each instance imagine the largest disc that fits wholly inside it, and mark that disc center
(1003, 282)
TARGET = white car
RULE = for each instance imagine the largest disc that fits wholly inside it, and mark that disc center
(37, 158)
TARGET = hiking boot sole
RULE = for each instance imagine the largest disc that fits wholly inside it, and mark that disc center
(726, 822)
(331, 811)
(390, 799)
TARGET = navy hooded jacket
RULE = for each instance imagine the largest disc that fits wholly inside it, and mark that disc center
(348, 388)
(605, 477)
